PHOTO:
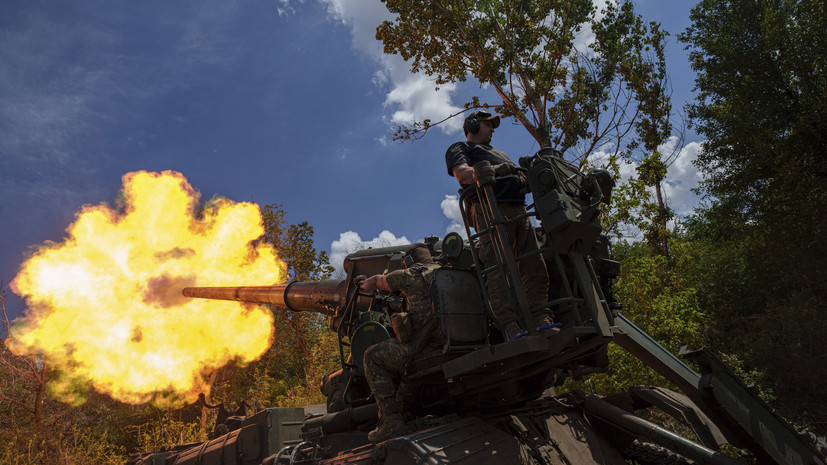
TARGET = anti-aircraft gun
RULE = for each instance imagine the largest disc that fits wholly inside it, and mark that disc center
(482, 399)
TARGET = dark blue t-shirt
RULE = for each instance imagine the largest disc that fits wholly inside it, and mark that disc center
(506, 188)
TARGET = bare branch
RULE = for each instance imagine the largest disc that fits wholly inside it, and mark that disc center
(403, 133)
(3, 287)
(17, 403)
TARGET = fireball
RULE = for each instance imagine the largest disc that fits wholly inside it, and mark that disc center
(104, 306)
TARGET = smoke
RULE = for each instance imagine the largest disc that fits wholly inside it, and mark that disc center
(165, 290)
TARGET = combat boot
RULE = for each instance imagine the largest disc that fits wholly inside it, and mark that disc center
(511, 331)
(544, 321)
(388, 424)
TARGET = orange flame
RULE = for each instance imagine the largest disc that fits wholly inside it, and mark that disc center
(105, 305)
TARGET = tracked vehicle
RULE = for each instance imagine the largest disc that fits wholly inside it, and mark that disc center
(482, 400)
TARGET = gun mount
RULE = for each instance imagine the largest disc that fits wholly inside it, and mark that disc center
(480, 399)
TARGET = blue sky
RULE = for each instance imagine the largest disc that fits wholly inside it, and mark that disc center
(274, 101)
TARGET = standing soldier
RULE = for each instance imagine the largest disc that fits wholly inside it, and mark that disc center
(460, 159)
(385, 362)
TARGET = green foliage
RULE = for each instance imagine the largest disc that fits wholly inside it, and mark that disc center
(766, 296)
(283, 376)
(14, 452)
(36, 428)
(165, 431)
(527, 51)
(85, 445)
(658, 301)
(762, 95)
(294, 243)
(634, 209)
(303, 349)
(609, 96)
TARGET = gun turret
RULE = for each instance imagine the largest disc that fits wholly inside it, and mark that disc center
(319, 296)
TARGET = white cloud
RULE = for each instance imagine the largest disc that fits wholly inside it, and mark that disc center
(416, 98)
(350, 242)
(286, 9)
(586, 37)
(411, 96)
(450, 208)
(681, 178)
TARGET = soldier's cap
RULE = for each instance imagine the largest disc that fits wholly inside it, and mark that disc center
(484, 115)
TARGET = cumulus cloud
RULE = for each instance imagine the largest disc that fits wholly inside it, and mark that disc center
(415, 99)
(409, 97)
(350, 242)
(450, 208)
(681, 178)
(585, 37)
(412, 97)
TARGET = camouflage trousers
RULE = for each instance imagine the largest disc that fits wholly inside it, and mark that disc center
(533, 273)
(384, 366)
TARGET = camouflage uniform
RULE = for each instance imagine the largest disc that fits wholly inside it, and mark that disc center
(385, 362)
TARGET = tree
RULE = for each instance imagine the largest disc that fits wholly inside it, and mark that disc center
(302, 348)
(609, 96)
(295, 246)
(37, 428)
(762, 106)
(761, 103)
(294, 243)
(598, 97)
(659, 300)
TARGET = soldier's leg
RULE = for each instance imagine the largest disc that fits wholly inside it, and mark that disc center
(501, 306)
(384, 363)
(406, 393)
(533, 273)
(532, 269)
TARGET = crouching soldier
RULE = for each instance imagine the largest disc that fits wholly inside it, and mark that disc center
(415, 330)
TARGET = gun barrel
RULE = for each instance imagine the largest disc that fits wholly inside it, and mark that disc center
(312, 296)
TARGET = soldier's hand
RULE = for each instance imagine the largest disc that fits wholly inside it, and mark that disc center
(504, 169)
(359, 280)
(522, 178)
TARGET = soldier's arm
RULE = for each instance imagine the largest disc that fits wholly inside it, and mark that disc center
(456, 158)
(464, 174)
(377, 281)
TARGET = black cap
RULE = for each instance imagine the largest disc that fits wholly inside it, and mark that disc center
(484, 115)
